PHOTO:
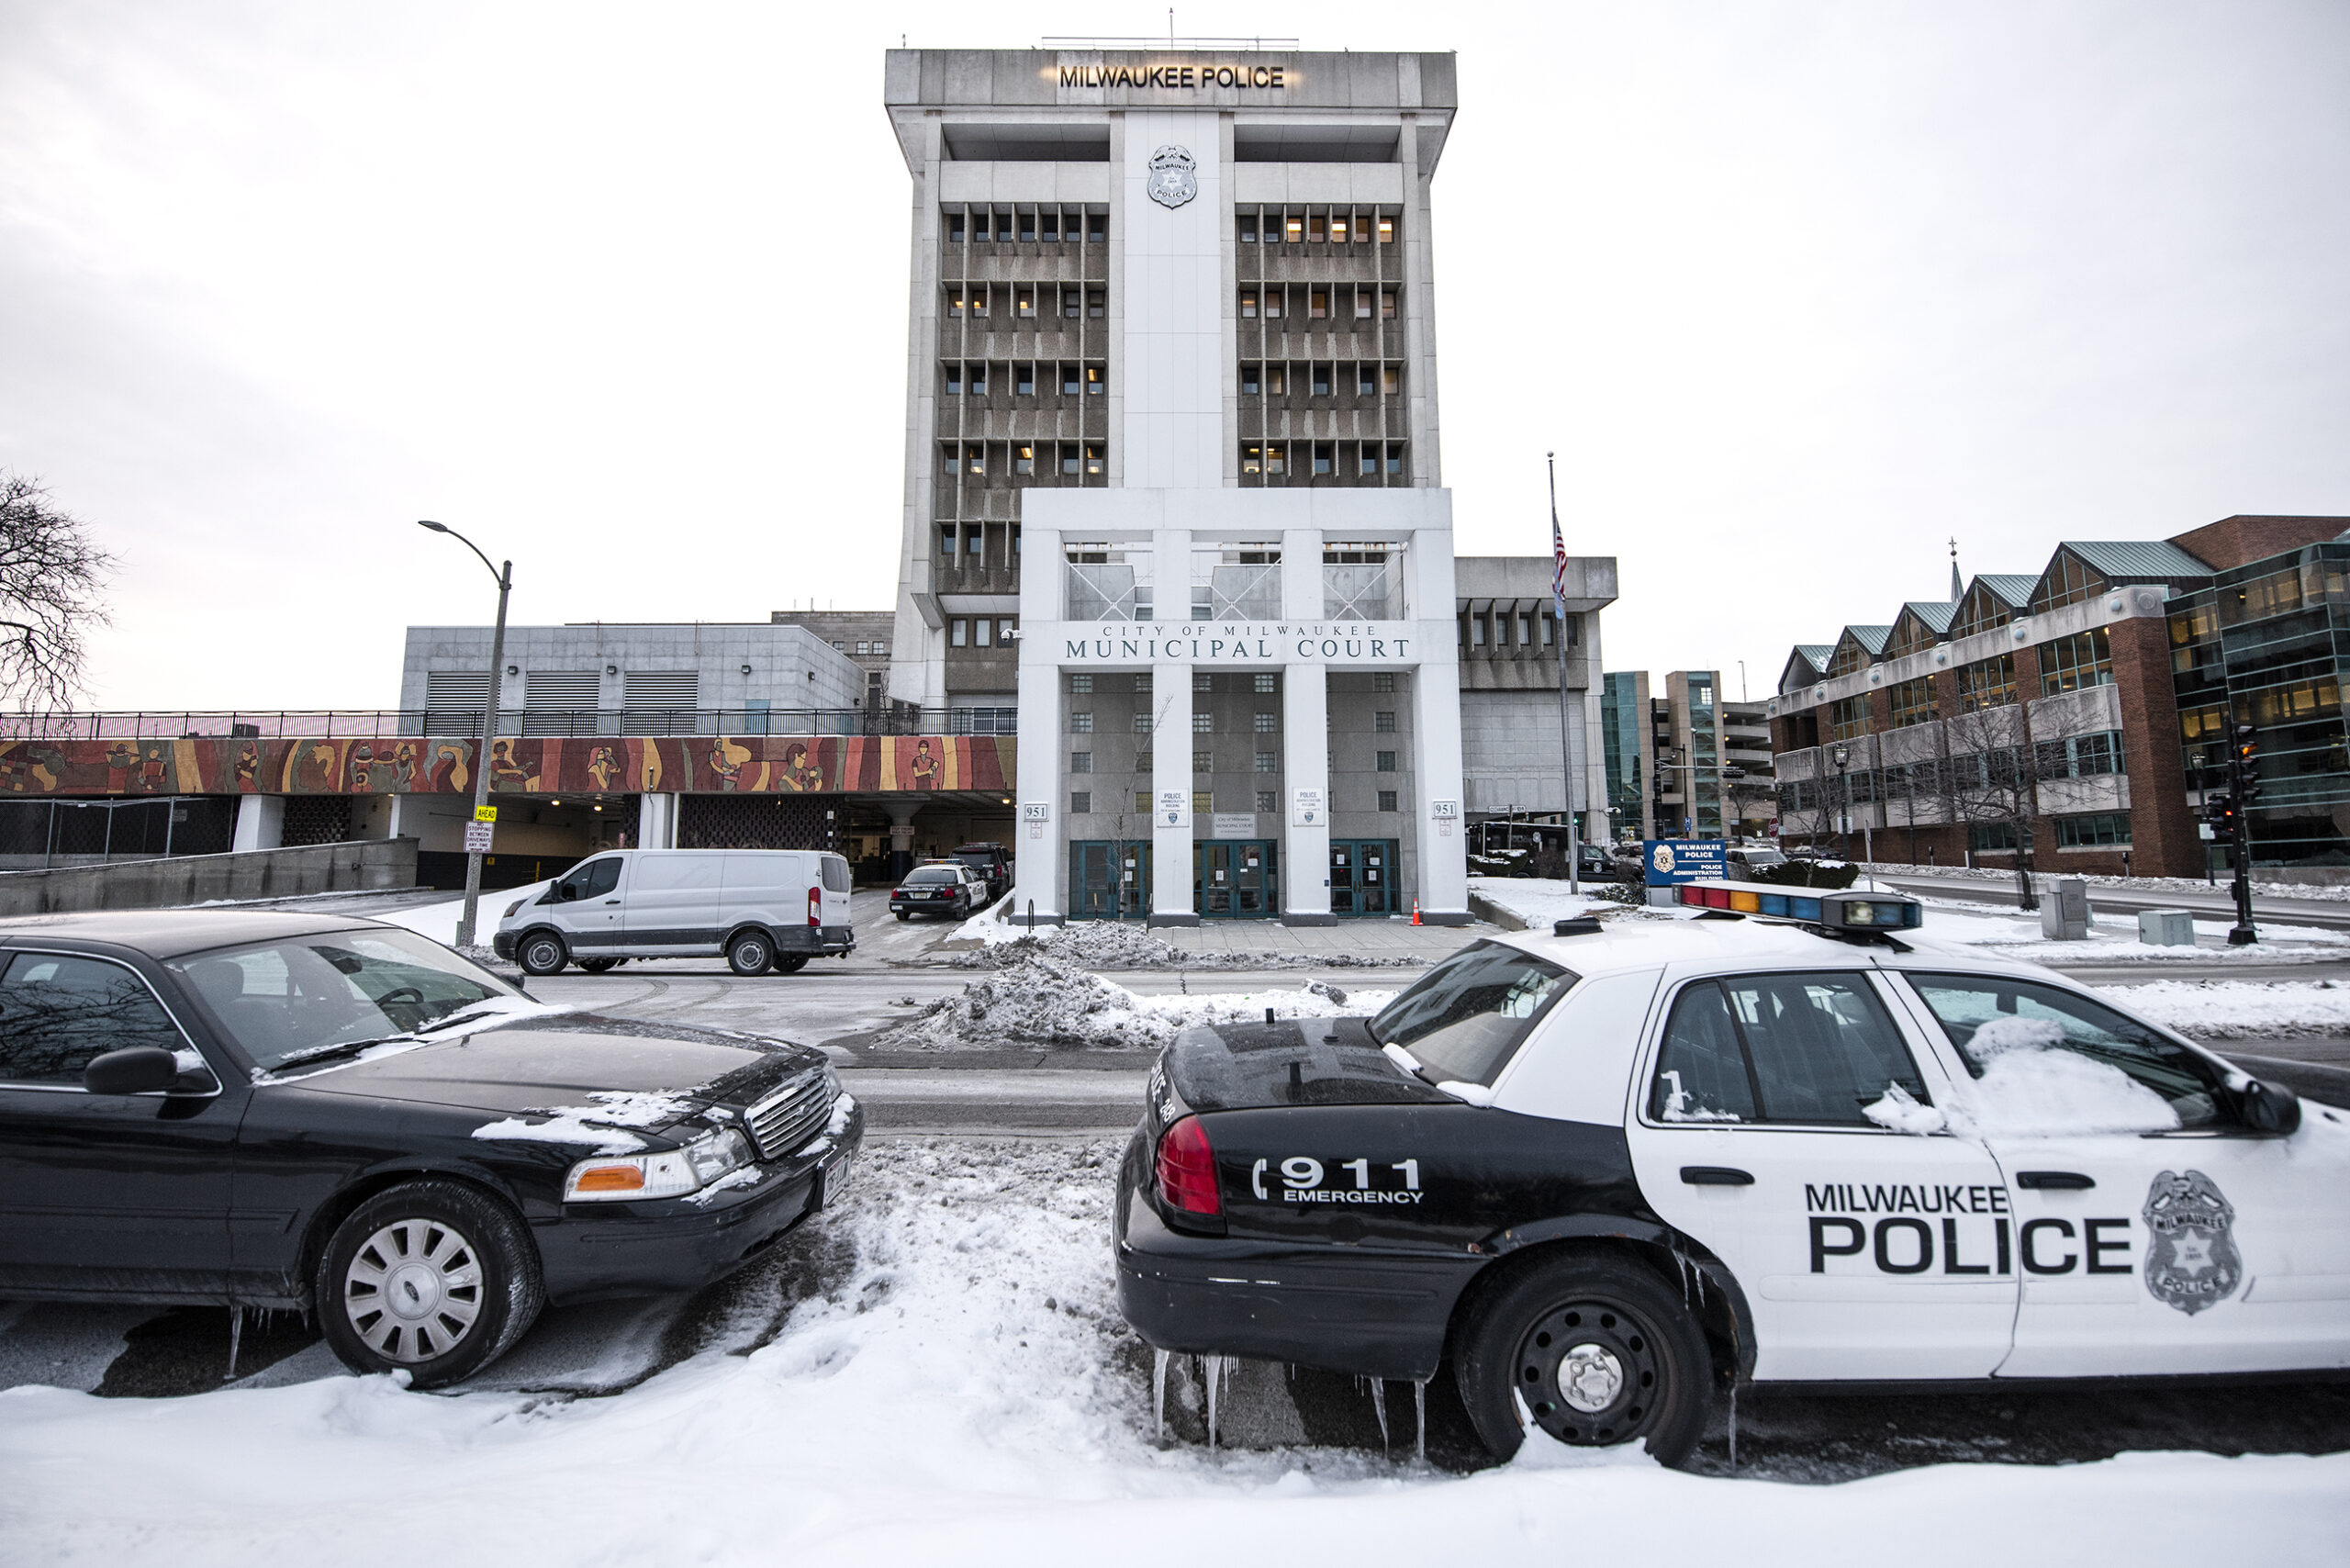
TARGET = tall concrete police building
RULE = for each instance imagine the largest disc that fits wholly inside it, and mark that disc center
(1178, 615)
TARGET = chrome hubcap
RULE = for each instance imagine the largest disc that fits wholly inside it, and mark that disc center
(413, 1291)
(1590, 1378)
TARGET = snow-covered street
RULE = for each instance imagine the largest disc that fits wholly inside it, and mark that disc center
(956, 1385)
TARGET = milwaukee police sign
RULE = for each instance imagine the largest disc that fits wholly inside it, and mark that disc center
(1326, 643)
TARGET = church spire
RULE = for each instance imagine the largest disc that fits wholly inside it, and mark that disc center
(1957, 588)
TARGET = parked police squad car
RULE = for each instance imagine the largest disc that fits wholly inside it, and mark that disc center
(1602, 1174)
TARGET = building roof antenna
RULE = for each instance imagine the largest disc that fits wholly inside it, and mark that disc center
(1957, 588)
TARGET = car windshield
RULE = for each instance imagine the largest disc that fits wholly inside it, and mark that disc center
(932, 876)
(288, 1001)
(1466, 1015)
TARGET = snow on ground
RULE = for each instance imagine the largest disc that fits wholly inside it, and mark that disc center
(1131, 944)
(1044, 999)
(2006, 875)
(1538, 900)
(2114, 938)
(2242, 1010)
(439, 921)
(970, 1394)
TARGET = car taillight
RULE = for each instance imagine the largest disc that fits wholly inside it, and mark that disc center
(1186, 1168)
(816, 906)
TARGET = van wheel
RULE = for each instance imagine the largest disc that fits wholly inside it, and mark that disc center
(750, 954)
(542, 953)
(430, 1277)
(1596, 1351)
(598, 965)
(790, 963)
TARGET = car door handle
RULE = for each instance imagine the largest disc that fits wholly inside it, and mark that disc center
(2054, 1181)
(1715, 1176)
(611, 901)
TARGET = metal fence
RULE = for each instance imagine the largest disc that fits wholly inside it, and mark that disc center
(388, 723)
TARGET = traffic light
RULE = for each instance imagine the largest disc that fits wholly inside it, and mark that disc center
(2220, 811)
(2244, 772)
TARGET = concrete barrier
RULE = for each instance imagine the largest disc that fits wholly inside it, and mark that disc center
(202, 879)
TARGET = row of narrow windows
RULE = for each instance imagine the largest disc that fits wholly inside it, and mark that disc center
(1023, 301)
(1314, 226)
(1322, 457)
(1021, 377)
(1318, 302)
(978, 458)
(1317, 378)
(1028, 226)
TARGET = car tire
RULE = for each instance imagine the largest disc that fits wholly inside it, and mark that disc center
(790, 963)
(902, 914)
(461, 1260)
(542, 953)
(1639, 1365)
(598, 965)
(752, 953)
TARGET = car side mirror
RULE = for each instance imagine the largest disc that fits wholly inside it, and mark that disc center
(136, 1070)
(2270, 1107)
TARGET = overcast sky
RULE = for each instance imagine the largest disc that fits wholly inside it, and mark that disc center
(1796, 292)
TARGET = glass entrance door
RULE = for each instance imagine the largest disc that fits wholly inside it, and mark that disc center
(1108, 880)
(1234, 879)
(1362, 877)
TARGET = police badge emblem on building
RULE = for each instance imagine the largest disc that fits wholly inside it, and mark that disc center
(1173, 180)
(2191, 1257)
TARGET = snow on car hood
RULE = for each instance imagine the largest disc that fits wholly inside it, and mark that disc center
(576, 1060)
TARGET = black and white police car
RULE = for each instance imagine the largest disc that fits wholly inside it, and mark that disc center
(1604, 1173)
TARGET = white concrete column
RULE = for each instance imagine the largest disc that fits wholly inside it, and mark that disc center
(1039, 848)
(656, 822)
(1171, 829)
(260, 823)
(1305, 767)
(1435, 787)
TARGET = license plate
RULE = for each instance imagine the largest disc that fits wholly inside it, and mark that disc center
(836, 1176)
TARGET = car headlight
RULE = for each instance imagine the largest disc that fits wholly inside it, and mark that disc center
(625, 1178)
(513, 909)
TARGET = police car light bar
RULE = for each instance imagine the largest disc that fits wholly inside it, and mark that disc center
(1830, 911)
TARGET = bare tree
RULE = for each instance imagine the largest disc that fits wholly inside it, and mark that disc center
(50, 576)
(1993, 770)
(1740, 794)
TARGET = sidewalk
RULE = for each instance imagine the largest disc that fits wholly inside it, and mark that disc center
(1393, 938)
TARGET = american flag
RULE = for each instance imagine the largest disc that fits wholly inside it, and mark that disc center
(1559, 561)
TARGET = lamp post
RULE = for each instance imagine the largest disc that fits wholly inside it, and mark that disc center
(505, 577)
(1841, 756)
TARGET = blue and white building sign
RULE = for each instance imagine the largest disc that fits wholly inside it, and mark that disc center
(1672, 861)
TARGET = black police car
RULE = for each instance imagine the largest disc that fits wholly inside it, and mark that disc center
(1602, 1173)
(334, 1116)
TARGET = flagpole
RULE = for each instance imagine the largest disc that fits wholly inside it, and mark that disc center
(1570, 715)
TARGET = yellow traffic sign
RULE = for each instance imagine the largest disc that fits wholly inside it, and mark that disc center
(484, 814)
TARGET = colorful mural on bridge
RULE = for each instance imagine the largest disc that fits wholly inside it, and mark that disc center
(787, 765)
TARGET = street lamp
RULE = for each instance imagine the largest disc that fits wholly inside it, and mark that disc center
(505, 577)
(1841, 756)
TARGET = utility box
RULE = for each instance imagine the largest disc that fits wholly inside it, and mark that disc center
(2064, 910)
(2167, 928)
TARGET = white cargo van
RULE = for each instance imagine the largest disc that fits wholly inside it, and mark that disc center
(762, 908)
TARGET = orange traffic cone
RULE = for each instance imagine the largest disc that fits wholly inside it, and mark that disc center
(1415, 912)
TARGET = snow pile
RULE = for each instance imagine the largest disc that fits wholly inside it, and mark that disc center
(2325, 892)
(2114, 938)
(603, 1126)
(439, 921)
(1538, 900)
(2241, 1010)
(2033, 1087)
(1047, 1000)
(970, 1394)
(1130, 944)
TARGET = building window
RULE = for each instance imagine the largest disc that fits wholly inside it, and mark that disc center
(1028, 228)
(1203, 803)
(1913, 702)
(954, 381)
(1248, 305)
(1203, 723)
(980, 380)
(1384, 722)
(1097, 303)
(1070, 304)
(1363, 313)
(1991, 837)
(1024, 380)
(1268, 724)
(1386, 762)
(978, 300)
(1293, 229)
(1048, 224)
(1395, 457)
(1387, 800)
(1320, 378)
(1325, 457)
(1024, 303)
(1080, 803)
(1070, 381)
(983, 632)
(1081, 762)
(2106, 830)
(954, 228)
(1095, 379)
(2068, 582)
(1277, 379)
(1318, 304)
(1142, 684)
(2085, 658)
(975, 458)
(1365, 458)
(956, 630)
(1082, 685)
(1269, 762)
(1980, 611)
(1142, 724)
(1248, 380)
(2093, 756)
(1248, 228)
(1383, 680)
(1269, 800)
(1202, 762)
(1276, 457)
(1386, 231)
(1987, 683)
(1848, 656)
(1387, 305)
(1097, 228)
(1313, 227)
(1273, 304)
(1093, 460)
(1365, 380)
(1849, 717)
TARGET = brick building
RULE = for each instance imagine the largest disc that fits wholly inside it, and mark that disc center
(2041, 716)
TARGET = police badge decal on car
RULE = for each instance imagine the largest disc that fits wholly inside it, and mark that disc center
(2192, 1258)
(1173, 179)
